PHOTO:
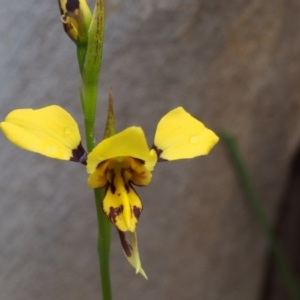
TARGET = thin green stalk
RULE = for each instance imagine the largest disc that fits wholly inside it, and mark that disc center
(89, 59)
(87, 32)
(81, 51)
(104, 232)
(91, 92)
(104, 228)
(254, 200)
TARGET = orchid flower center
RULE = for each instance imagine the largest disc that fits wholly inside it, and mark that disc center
(121, 203)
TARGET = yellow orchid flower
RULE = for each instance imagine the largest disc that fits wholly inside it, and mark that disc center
(118, 163)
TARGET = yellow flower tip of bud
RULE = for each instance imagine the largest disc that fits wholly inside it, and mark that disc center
(76, 18)
(70, 27)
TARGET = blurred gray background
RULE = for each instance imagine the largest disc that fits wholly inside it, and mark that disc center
(232, 64)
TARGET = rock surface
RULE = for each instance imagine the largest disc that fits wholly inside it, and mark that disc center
(232, 64)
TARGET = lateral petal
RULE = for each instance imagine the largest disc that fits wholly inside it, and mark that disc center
(50, 131)
(181, 136)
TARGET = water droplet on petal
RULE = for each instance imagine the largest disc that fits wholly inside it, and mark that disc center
(67, 130)
(194, 139)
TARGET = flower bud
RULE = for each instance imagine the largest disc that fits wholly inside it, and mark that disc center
(76, 18)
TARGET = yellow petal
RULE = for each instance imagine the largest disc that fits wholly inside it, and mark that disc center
(130, 142)
(131, 252)
(179, 136)
(121, 204)
(50, 131)
(98, 178)
(137, 173)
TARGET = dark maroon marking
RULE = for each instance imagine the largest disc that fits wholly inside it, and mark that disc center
(158, 152)
(125, 183)
(111, 184)
(72, 5)
(79, 155)
(136, 211)
(114, 212)
(125, 245)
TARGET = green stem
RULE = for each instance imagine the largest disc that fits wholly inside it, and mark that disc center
(104, 233)
(104, 226)
(81, 51)
(89, 59)
(254, 200)
(91, 93)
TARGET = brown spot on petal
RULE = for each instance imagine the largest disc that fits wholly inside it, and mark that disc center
(136, 211)
(114, 212)
(112, 188)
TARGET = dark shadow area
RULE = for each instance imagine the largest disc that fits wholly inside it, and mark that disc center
(287, 229)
